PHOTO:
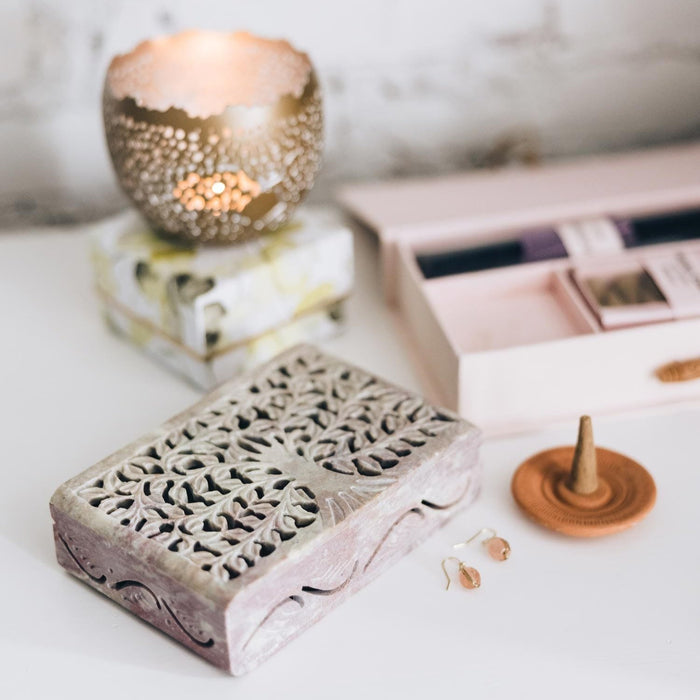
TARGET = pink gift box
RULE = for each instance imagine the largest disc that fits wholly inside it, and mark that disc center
(518, 347)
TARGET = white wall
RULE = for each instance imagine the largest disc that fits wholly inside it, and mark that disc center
(411, 86)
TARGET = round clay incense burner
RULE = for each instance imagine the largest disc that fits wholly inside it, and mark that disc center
(585, 490)
(215, 137)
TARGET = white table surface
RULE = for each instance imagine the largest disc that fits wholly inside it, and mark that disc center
(612, 617)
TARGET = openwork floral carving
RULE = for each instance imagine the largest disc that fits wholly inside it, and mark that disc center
(308, 442)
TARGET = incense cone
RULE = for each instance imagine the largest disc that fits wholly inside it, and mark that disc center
(584, 467)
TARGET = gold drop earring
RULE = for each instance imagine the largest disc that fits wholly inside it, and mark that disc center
(497, 547)
(469, 577)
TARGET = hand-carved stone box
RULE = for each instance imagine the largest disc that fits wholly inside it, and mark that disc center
(249, 516)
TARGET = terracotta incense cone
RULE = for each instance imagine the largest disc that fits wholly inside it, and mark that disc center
(584, 490)
(584, 467)
(242, 521)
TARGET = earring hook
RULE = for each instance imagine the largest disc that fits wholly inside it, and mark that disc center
(484, 530)
(444, 568)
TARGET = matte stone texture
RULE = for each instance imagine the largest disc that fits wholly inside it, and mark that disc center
(248, 517)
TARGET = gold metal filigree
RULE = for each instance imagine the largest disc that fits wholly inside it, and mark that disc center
(205, 176)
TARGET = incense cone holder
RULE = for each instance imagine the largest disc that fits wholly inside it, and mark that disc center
(215, 137)
(247, 518)
(584, 491)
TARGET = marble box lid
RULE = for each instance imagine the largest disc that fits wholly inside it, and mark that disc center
(212, 298)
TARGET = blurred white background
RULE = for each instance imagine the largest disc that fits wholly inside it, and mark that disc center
(411, 87)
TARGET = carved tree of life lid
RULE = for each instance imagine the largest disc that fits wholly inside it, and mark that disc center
(584, 490)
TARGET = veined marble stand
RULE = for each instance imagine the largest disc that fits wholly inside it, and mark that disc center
(209, 313)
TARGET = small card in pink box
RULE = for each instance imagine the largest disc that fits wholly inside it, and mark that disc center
(516, 344)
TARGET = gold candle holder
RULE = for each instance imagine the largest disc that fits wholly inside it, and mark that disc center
(215, 137)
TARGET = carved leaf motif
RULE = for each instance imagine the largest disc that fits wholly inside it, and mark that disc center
(235, 483)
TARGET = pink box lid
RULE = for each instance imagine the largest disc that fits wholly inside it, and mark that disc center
(445, 210)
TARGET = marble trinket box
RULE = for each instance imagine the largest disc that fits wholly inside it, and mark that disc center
(245, 519)
(211, 312)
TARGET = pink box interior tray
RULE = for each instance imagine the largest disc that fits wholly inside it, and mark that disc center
(518, 347)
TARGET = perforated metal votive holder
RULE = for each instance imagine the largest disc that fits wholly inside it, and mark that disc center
(226, 172)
